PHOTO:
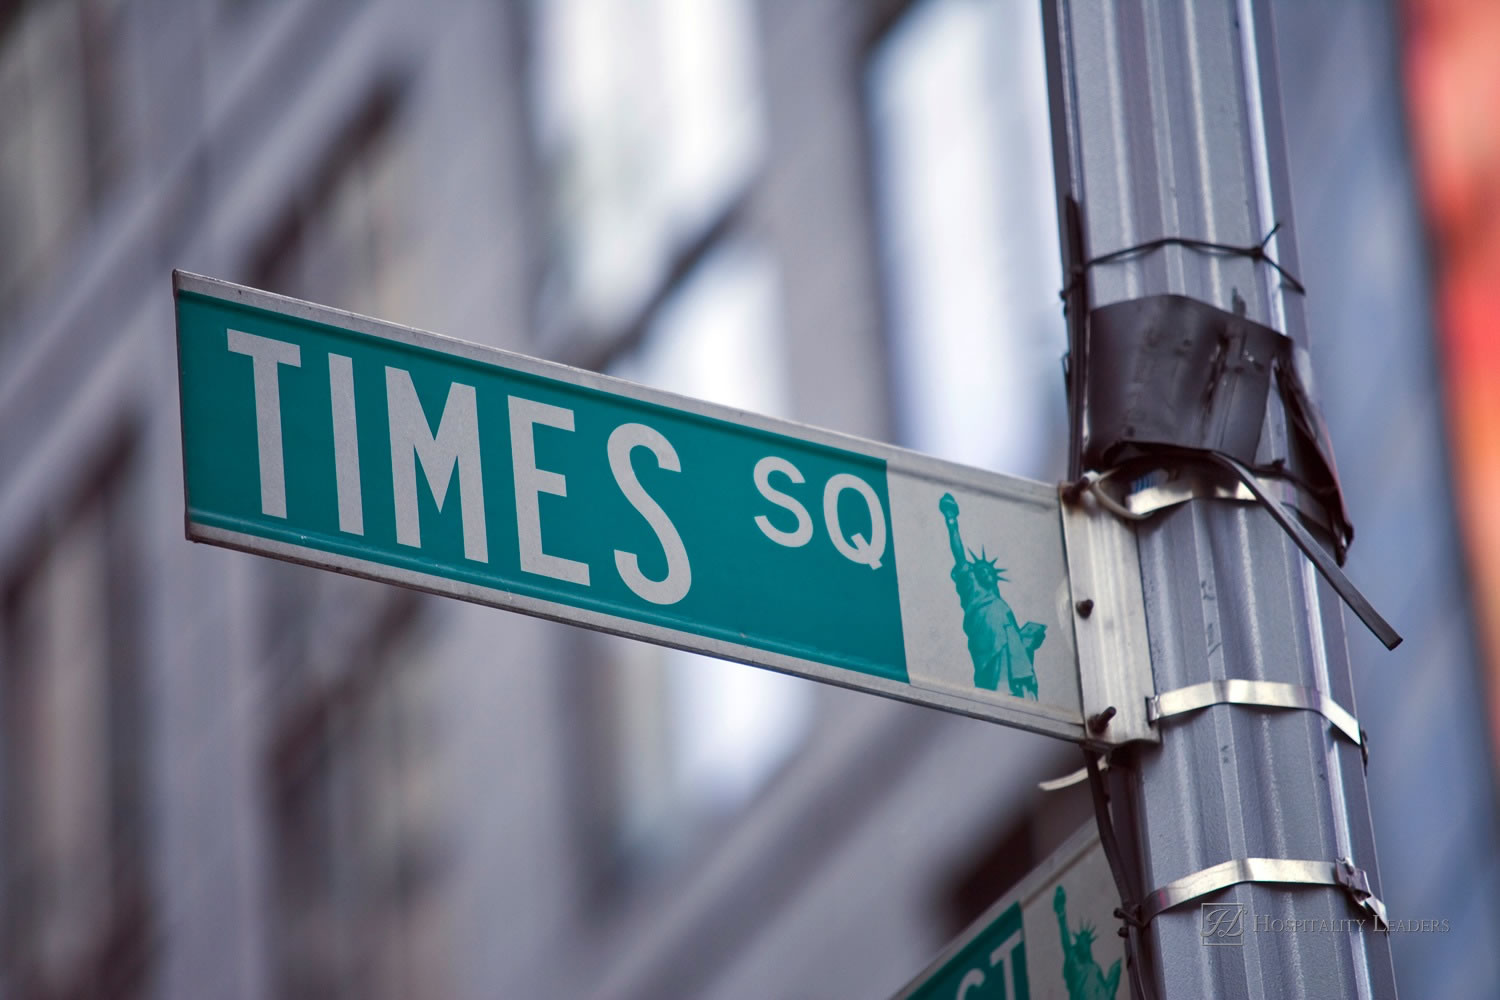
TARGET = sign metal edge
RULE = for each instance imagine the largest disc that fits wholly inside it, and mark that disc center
(1067, 854)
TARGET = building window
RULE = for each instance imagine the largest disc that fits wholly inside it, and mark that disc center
(716, 336)
(74, 907)
(354, 760)
(58, 135)
(355, 811)
(648, 120)
(695, 737)
(957, 98)
(352, 237)
(648, 123)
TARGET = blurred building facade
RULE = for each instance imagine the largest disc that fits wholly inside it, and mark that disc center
(226, 776)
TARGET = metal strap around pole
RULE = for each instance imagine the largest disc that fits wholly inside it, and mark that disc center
(1168, 487)
(1284, 871)
(1265, 492)
(1261, 694)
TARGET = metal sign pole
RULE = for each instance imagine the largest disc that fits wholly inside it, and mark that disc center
(1245, 834)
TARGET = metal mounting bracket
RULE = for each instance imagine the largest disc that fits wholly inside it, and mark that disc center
(1109, 621)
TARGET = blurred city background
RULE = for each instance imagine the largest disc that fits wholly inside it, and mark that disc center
(224, 776)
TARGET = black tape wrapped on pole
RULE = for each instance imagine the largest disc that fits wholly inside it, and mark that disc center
(1190, 384)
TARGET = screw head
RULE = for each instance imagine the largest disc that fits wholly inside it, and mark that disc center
(1085, 607)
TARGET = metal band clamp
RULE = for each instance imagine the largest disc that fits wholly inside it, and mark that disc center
(1285, 871)
(1262, 694)
(1169, 486)
(1256, 488)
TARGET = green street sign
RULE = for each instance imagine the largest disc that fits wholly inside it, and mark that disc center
(330, 439)
(1051, 938)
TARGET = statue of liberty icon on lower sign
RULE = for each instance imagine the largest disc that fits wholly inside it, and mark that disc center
(1083, 976)
(1001, 648)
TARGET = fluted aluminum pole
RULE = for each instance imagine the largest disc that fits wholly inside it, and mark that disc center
(1167, 122)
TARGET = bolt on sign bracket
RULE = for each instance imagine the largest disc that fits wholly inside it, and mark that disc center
(1109, 621)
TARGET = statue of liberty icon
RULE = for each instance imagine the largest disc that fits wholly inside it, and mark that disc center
(1082, 975)
(999, 647)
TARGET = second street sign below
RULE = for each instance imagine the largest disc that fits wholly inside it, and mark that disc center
(329, 439)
